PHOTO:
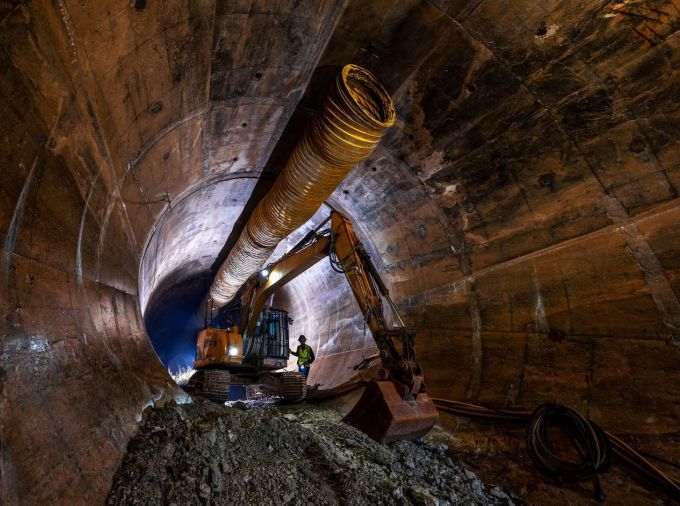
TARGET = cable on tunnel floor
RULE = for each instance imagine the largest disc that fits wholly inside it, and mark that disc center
(596, 446)
(593, 446)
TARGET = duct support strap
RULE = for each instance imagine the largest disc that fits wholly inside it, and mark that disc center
(356, 114)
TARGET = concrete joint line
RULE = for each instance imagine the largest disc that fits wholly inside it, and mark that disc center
(477, 350)
(660, 288)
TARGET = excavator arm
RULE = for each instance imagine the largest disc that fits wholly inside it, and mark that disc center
(395, 345)
(396, 405)
(259, 288)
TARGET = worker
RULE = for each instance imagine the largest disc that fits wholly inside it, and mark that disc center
(305, 356)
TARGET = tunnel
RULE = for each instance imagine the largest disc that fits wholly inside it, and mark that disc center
(523, 212)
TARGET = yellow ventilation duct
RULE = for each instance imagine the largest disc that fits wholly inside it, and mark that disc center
(354, 118)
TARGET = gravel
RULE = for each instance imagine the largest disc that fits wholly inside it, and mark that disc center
(202, 453)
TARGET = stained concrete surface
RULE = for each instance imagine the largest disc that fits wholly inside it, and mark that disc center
(524, 211)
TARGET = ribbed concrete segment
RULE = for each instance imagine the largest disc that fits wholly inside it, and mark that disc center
(523, 210)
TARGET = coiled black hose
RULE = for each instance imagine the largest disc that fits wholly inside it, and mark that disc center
(623, 453)
(592, 444)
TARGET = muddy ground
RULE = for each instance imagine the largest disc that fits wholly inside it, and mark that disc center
(203, 453)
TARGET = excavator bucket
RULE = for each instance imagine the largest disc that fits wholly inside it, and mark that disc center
(385, 416)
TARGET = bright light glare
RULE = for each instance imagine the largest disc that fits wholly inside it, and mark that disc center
(233, 351)
(182, 376)
(275, 276)
(264, 273)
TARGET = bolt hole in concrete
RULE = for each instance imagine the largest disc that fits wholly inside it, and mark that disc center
(258, 75)
(542, 30)
(557, 335)
(546, 180)
(139, 5)
(637, 145)
(156, 107)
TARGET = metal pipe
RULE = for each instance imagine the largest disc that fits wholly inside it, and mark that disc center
(356, 114)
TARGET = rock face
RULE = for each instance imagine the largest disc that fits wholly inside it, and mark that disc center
(524, 211)
(206, 454)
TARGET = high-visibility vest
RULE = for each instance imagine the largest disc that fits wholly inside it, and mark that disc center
(304, 354)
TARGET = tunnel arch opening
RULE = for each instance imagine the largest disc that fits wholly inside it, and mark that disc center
(174, 270)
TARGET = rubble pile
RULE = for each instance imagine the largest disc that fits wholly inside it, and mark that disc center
(203, 453)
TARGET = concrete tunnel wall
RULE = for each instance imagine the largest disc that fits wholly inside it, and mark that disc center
(524, 210)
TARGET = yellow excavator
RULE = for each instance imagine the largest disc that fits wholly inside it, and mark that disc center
(393, 406)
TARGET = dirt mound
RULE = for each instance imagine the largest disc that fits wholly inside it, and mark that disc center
(202, 453)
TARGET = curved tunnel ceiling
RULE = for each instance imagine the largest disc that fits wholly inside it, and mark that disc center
(525, 208)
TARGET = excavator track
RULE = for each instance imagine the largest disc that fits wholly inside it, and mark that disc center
(293, 386)
(212, 384)
(287, 386)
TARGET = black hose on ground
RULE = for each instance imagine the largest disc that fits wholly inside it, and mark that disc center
(623, 453)
(592, 444)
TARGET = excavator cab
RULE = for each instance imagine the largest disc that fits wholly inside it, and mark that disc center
(267, 348)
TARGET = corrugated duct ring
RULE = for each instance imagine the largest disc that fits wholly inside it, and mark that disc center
(356, 114)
